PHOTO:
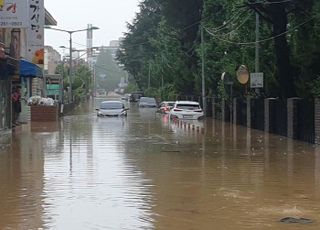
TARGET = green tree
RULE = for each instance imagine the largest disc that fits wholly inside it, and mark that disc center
(163, 44)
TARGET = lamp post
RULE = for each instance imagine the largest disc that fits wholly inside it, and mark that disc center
(70, 32)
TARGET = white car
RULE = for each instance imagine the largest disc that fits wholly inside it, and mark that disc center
(112, 109)
(186, 110)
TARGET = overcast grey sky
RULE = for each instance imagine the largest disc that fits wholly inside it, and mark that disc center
(109, 15)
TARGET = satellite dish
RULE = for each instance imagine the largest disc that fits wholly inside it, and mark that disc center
(243, 74)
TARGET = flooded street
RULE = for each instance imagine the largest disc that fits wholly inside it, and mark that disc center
(147, 172)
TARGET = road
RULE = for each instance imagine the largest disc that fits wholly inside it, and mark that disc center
(147, 172)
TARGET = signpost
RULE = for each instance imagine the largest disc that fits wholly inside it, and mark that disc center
(243, 76)
(256, 80)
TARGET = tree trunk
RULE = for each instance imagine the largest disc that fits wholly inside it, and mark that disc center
(285, 71)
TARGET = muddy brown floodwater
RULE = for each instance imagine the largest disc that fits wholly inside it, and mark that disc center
(147, 172)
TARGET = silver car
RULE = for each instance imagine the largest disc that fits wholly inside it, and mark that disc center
(112, 109)
(147, 102)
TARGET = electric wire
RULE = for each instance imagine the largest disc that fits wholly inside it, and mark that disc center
(233, 18)
(221, 27)
(260, 41)
(270, 3)
(235, 29)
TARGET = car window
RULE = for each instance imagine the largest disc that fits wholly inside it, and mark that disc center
(111, 105)
(187, 106)
(148, 100)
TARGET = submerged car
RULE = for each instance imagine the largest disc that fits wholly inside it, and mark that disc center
(186, 110)
(135, 97)
(112, 109)
(147, 102)
(166, 106)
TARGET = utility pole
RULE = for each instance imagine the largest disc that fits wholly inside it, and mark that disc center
(257, 64)
(149, 75)
(70, 55)
(94, 84)
(204, 103)
(70, 32)
(257, 53)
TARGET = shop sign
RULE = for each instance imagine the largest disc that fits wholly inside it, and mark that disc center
(13, 14)
(35, 32)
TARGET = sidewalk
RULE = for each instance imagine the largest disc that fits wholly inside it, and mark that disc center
(5, 139)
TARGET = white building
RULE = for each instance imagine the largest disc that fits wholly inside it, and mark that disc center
(52, 58)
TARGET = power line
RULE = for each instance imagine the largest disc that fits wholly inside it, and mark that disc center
(260, 41)
(109, 70)
(79, 44)
(233, 17)
(269, 3)
(238, 27)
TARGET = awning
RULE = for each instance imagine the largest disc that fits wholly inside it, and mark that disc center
(28, 69)
(8, 66)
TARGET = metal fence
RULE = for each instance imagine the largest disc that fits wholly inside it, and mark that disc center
(241, 111)
(257, 114)
(303, 116)
(306, 120)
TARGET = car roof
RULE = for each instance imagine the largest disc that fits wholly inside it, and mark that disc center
(168, 102)
(147, 97)
(120, 102)
(187, 102)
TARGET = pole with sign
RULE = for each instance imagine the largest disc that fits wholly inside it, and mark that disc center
(243, 76)
(256, 80)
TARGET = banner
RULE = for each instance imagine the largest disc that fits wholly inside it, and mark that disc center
(14, 14)
(35, 32)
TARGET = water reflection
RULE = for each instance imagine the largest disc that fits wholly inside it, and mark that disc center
(149, 172)
(102, 190)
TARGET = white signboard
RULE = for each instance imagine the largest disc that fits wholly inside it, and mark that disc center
(14, 14)
(35, 32)
(256, 80)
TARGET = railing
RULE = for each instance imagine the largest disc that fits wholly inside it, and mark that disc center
(295, 118)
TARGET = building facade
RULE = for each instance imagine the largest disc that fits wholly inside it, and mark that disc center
(20, 65)
(52, 59)
(9, 68)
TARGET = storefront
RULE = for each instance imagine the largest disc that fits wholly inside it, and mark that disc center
(5, 112)
(28, 72)
(8, 67)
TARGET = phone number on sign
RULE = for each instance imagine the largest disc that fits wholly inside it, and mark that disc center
(10, 24)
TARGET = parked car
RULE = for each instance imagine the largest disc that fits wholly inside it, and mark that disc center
(186, 110)
(166, 106)
(135, 97)
(147, 102)
(112, 108)
(126, 97)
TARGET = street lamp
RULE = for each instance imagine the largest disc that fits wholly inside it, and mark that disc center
(70, 32)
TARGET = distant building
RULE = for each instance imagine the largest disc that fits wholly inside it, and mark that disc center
(51, 59)
(113, 47)
(114, 43)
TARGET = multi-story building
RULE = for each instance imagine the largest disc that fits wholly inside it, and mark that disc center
(52, 59)
(21, 53)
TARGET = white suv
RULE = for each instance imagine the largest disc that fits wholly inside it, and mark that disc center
(186, 110)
